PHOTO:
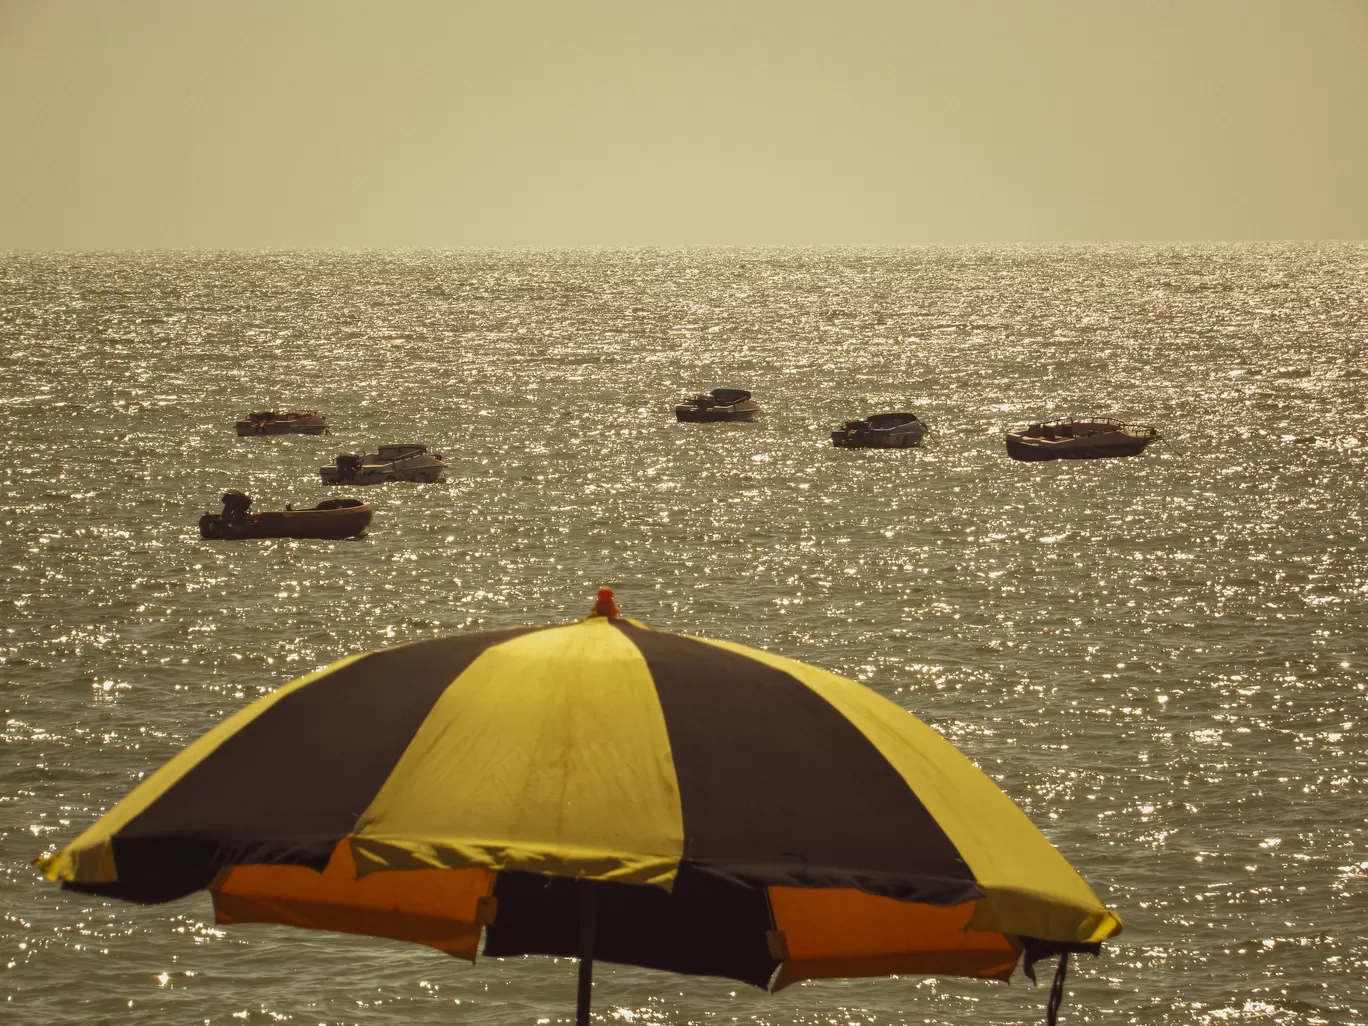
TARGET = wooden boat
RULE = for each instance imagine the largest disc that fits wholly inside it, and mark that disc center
(880, 431)
(1079, 440)
(293, 422)
(335, 518)
(391, 463)
(719, 404)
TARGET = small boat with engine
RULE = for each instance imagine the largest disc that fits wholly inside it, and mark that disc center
(391, 463)
(292, 422)
(334, 518)
(719, 404)
(880, 431)
(1079, 440)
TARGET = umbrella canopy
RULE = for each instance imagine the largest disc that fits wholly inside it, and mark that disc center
(730, 812)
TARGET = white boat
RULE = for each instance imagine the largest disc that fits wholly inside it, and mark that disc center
(719, 404)
(391, 463)
(880, 431)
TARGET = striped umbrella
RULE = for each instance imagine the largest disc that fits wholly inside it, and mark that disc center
(606, 790)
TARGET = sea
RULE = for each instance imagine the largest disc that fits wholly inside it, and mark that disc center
(1162, 659)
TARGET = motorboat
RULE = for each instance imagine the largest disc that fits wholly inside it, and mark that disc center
(880, 431)
(1079, 440)
(334, 518)
(293, 422)
(719, 404)
(391, 463)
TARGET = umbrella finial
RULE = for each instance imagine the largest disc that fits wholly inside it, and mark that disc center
(605, 606)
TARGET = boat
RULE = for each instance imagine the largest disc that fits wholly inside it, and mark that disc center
(1079, 440)
(880, 431)
(334, 518)
(391, 463)
(293, 422)
(719, 404)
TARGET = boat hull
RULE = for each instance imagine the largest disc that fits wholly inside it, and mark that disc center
(290, 422)
(378, 475)
(845, 440)
(245, 428)
(714, 414)
(347, 522)
(861, 435)
(1072, 449)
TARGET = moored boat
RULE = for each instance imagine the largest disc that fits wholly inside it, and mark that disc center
(719, 404)
(880, 431)
(334, 518)
(1079, 440)
(292, 422)
(390, 463)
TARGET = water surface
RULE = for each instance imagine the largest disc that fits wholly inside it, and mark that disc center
(1160, 658)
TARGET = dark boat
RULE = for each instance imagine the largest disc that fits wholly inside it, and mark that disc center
(719, 404)
(294, 422)
(335, 518)
(880, 431)
(1079, 440)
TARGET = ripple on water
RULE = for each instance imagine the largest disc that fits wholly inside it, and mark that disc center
(1160, 659)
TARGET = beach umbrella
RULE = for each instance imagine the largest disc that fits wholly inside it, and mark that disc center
(604, 790)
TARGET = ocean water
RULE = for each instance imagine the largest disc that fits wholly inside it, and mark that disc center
(1161, 659)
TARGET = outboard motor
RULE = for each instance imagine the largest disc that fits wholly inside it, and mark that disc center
(348, 463)
(235, 507)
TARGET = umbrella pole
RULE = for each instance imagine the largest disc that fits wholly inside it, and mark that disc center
(588, 916)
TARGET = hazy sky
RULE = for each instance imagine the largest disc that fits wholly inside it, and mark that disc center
(268, 123)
